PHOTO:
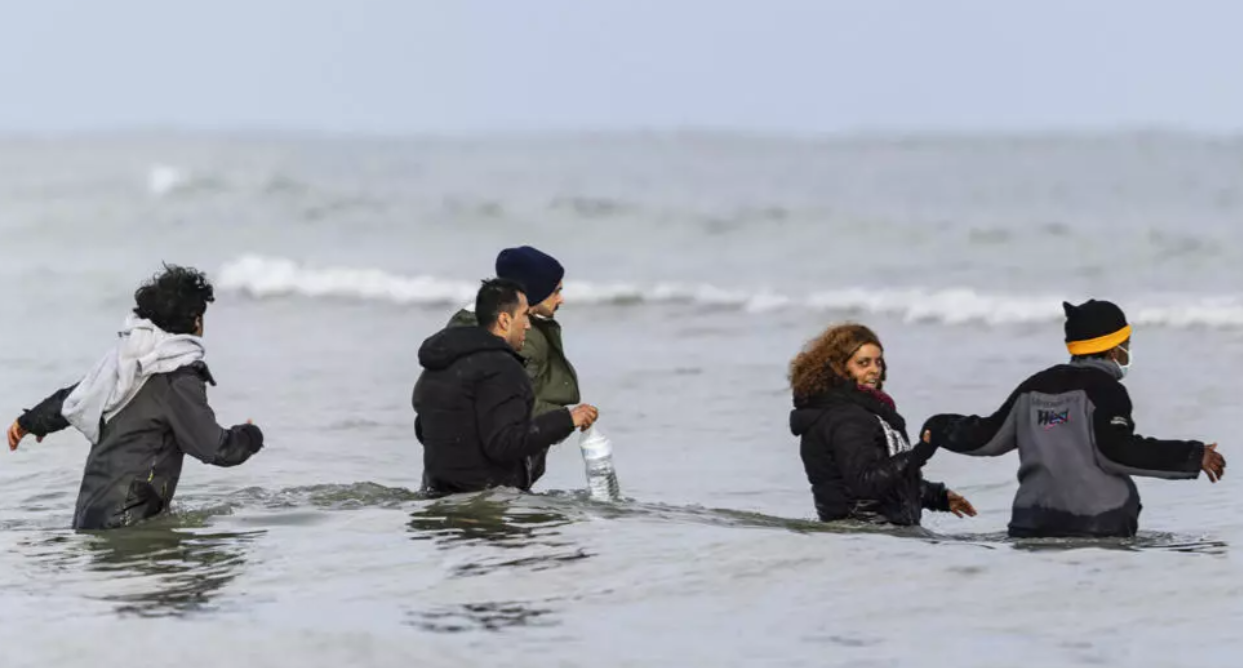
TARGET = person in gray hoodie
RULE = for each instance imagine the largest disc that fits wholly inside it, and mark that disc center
(143, 407)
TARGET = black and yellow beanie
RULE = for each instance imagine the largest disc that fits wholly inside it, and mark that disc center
(1094, 327)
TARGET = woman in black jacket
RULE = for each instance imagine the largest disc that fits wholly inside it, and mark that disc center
(854, 445)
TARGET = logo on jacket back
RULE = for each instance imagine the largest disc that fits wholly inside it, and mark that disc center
(1051, 419)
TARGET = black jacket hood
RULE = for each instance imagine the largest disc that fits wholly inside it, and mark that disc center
(807, 411)
(447, 346)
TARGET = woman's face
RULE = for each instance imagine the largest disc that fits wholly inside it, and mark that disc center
(866, 365)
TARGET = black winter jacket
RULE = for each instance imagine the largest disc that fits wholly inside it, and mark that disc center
(859, 461)
(473, 405)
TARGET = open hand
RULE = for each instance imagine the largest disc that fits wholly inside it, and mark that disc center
(1213, 464)
(960, 506)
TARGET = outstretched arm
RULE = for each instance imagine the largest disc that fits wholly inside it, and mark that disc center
(989, 436)
(1121, 450)
(43, 419)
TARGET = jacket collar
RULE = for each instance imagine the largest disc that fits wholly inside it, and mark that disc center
(1108, 366)
(844, 393)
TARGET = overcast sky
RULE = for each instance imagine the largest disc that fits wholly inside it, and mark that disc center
(413, 66)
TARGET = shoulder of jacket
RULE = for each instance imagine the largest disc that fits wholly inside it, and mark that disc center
(1066, 378)
(852, 415)
(1108, 391)
(194, 370)
(501, 368)
(1059, 378)
(493, 362)
(463, 318)
(1057, 371)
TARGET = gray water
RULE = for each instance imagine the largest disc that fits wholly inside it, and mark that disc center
(697, 267)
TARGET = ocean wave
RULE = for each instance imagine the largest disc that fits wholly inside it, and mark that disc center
(167, 180)
(263, 277)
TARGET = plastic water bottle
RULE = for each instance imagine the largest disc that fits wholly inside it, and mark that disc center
(598, 459)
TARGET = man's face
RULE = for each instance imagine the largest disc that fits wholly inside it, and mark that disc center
(514, 325)
(548, 307)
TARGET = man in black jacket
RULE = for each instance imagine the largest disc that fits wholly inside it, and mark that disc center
(1076, 438)
(473, 401)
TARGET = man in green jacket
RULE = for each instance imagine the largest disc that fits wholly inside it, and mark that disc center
(554, 378)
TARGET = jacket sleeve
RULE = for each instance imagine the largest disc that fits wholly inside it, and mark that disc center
(194, 425)
(1123, 451)
(506, 427)
(869, 471)
(45, 417)
(934, 496)
(989, 436)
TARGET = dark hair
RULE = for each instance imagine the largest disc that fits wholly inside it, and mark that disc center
(822, 362)
(496, 296)
(174, 299)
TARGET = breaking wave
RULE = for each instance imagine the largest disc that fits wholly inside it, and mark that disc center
(264, 277)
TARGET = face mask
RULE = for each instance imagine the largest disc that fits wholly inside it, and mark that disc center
(1124, 368)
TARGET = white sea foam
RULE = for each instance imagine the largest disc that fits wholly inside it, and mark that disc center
(273, 277)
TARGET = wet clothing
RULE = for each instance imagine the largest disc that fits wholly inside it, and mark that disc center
(859, 461)
(132, 471)
(474, 402)
(1078, 449)
(552, 376)
(143, 350)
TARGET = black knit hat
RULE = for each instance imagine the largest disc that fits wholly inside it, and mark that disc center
(1094, 327)
(537, 271)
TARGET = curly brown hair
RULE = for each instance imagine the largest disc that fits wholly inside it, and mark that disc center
(822, 362)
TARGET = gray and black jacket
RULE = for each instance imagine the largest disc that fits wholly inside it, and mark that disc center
(132, 472)
(1077, 448)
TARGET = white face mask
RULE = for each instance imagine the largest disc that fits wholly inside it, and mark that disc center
(1130, 357)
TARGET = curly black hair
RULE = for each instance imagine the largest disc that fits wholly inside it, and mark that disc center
(174, 299)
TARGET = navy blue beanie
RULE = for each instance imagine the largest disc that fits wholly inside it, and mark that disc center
(537, 271)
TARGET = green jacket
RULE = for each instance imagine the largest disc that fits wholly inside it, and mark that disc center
(552, 375)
